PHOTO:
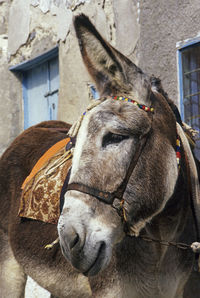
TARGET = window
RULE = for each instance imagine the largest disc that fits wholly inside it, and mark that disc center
(189, 63)
(93, 93)
(40, 87)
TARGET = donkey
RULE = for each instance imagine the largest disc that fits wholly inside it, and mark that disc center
(125, 188)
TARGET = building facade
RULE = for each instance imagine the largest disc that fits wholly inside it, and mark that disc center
(169, 48)
(42, 75)
(41, 72)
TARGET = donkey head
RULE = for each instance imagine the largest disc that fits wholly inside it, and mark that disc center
(108, 139)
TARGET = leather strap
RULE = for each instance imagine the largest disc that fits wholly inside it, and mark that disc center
(64, 190)
(108, 197)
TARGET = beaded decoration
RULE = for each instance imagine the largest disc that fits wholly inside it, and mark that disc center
(178, 151)
(147, 109)
(143, 107)
(74, 129)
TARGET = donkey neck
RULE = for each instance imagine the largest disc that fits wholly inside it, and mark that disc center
(171, 223)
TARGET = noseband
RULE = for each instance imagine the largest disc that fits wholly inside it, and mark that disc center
(109, 197)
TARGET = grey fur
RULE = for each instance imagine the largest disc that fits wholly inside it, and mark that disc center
(91, 233)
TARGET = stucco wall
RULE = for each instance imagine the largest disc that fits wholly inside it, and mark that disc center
(147, 31)
(10, 88)
(42, 24)
(143, 30)
(74, 79)
(162, 25)
(29, 28)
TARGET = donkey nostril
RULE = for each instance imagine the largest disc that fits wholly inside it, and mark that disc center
(74, 241)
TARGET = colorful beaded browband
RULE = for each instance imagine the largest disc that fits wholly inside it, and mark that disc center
(147, 109)
(178, 151)
(143, 107)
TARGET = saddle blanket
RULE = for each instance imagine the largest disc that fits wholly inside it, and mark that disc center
(40, 197)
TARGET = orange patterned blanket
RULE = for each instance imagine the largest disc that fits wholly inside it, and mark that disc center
(41, 189)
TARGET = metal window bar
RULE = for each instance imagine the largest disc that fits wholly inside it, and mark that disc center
(193, 117)
(189, 72)
(190, 95)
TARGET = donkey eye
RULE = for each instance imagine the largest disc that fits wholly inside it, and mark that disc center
(112, 138)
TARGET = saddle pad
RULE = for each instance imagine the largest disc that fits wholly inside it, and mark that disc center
(40, 198)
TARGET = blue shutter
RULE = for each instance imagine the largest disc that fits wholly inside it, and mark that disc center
(53, 82)
(40, 92)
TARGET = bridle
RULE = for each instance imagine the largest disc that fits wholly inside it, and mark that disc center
(109, 197)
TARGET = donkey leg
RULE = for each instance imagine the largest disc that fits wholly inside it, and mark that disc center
(12, 277)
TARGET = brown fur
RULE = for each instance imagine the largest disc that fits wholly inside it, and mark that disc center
(136, 268)
(28, 238)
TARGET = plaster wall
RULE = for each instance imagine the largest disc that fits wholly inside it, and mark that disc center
(162, 25)
(74, 79)
(10, 89)
(29, 28)
(43, 24)
(145, 31)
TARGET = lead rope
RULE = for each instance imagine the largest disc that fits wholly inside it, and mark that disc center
(76, 126)
(195, 246)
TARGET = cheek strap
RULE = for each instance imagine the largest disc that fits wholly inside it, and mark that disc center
(108, 197)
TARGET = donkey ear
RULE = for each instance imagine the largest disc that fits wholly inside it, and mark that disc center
(98, 56)
(111, 71)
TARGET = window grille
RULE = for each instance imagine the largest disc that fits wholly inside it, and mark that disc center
(190, 78)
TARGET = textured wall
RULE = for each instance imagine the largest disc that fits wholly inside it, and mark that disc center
(29, 28)
(145, 30)
(163, 24)
(43, 24)
(10, 87)
(74, 79)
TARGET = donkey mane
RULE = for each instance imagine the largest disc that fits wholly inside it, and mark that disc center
(157, 85)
